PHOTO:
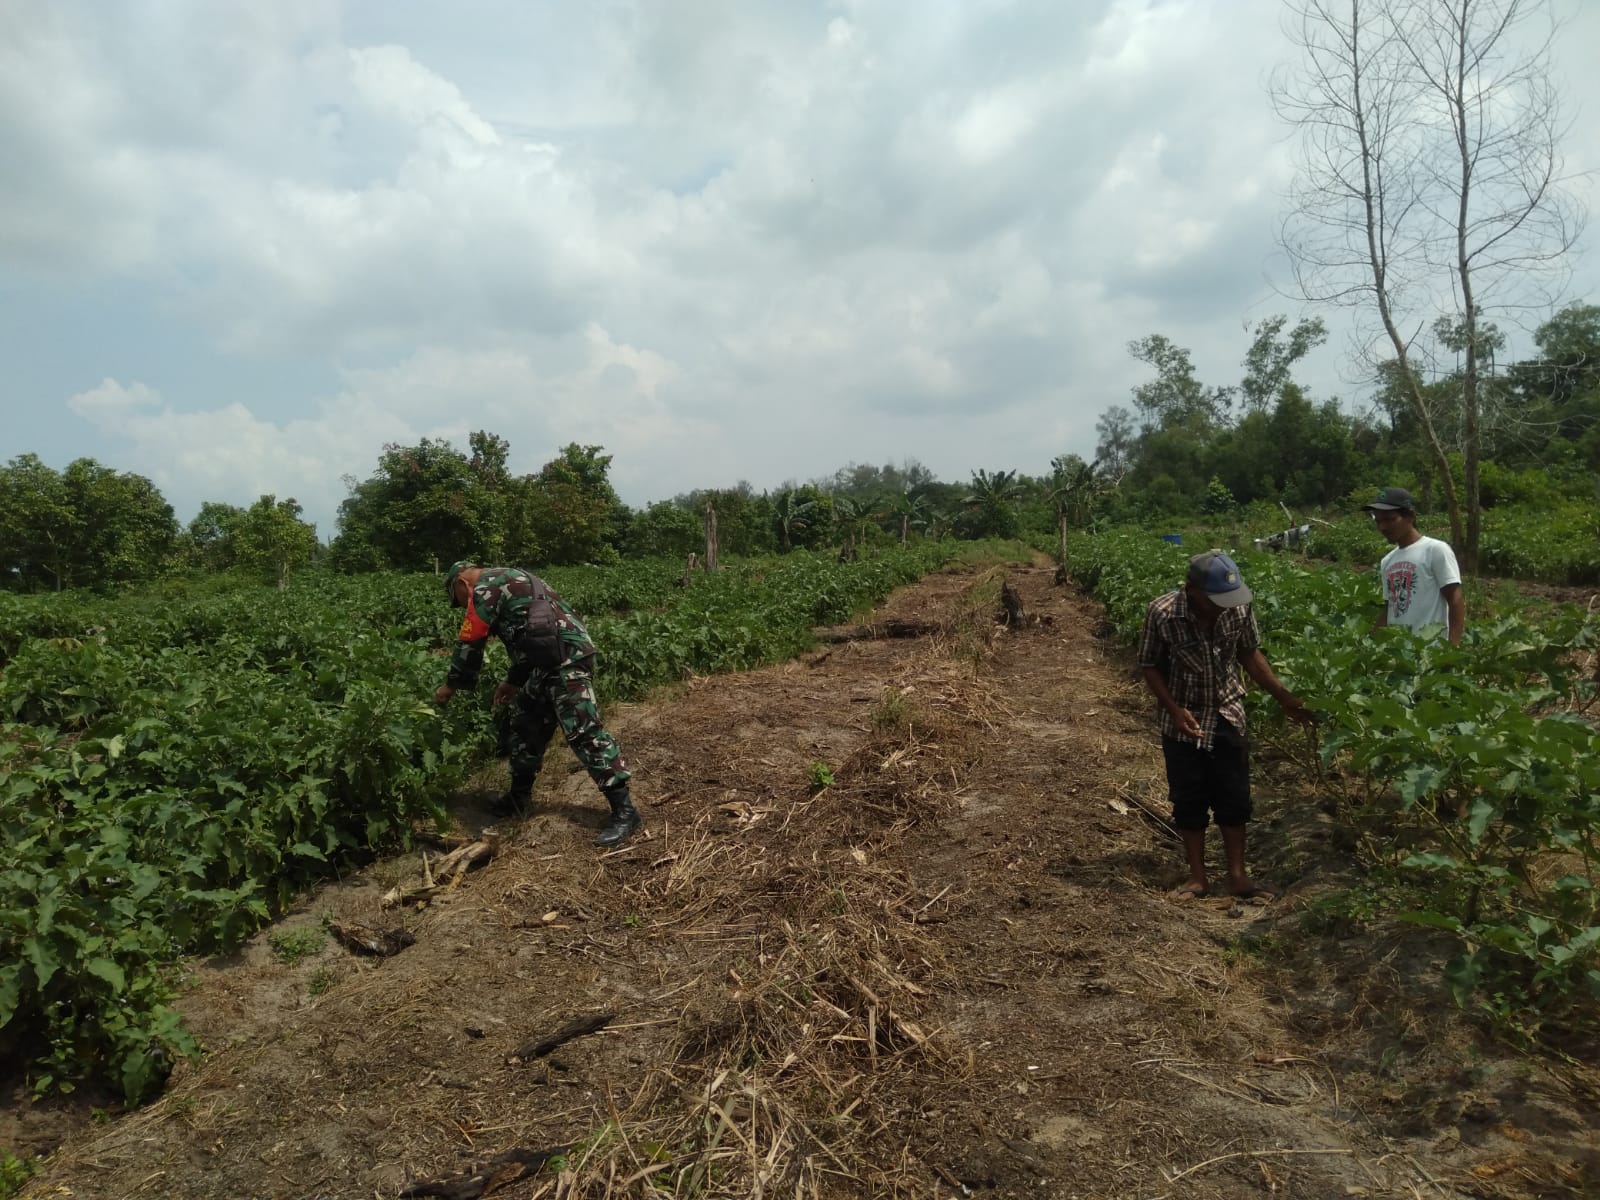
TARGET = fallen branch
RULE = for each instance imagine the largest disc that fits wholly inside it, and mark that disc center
(1250, 1154)
(495, 1174)
(593, 1023)
(878, 632)
(1150, 812)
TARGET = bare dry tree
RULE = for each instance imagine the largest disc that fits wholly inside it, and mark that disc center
(1430, 184)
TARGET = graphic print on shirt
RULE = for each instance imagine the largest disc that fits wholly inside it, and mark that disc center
(1402, 583)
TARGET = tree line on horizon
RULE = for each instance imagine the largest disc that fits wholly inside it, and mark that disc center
(1182, 447)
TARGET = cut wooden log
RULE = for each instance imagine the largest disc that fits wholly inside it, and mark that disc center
(539, 1047)
(498, 1172)
(378, 943)
(463, 859)
(443, 873)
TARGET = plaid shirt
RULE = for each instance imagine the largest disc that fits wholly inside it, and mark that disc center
(1201, 672)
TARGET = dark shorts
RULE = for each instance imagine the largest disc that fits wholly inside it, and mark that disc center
(1203, 784)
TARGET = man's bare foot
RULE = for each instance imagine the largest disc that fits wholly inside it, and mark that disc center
(1190, 891)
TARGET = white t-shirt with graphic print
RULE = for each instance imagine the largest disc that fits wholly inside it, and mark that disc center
(1414, 577)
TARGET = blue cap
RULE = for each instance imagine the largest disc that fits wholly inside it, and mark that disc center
(1218, 577)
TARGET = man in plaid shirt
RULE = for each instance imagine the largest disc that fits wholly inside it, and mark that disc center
(1195, 640)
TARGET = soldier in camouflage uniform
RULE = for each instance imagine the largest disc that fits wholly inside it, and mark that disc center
(551, 681)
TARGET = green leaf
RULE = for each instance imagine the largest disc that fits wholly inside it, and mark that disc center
(105, 968)
(43, 957)
(1463, 974)
(1419, 782)
(10, 990)
(1478, 818)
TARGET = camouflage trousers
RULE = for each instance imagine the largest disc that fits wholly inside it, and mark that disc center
(563, 699)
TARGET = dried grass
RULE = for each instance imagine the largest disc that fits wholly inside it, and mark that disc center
(791, 1049)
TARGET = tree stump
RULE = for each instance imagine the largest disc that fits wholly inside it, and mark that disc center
(712, 545)
(1011, 611)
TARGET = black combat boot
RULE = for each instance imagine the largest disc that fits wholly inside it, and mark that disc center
(625, 818)
(516, 799)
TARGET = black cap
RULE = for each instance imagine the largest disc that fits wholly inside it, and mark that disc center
(1391, 500)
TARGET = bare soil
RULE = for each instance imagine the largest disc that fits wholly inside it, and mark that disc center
(898, 926)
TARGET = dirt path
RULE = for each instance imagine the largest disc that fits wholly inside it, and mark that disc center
(951, 971)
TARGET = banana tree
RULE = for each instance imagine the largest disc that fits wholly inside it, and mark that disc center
(796, 513)
(1075, 485)
(854, 520)
(909, 508)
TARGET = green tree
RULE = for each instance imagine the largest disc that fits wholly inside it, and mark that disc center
(1118, 440)
(1557, 395)
(990, 505)
(566, 513)
(1073, 487)
(1175, 398)
(81, 526)
(425, 505)
(126, 528)
(38, 525)
(270, 540)
(747, 522)
(909, 510)
(208, 541)
(796, 511)
(664, 529)
(855, 521)
(1269, 362)
(1219, 500)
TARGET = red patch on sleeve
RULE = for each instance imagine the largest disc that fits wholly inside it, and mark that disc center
(473, 627)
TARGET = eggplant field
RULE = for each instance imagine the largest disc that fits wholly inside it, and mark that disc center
(1471, 774)
(176, 764)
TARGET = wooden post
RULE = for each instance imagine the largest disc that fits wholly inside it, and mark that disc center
(711, 538)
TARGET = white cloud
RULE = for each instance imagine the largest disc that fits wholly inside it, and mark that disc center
(592, 390)
(389, 80)
(721, 239)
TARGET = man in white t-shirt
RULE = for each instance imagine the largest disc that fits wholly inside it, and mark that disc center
(1421, 581)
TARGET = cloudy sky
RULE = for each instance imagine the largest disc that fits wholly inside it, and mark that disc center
(242, 246)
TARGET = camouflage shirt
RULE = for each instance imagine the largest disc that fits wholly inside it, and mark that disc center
(505, 603)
